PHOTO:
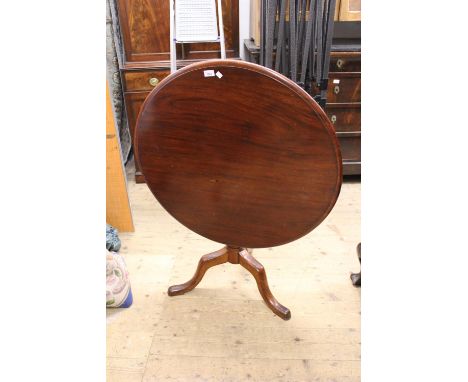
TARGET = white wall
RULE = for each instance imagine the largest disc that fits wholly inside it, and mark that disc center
(244, 24)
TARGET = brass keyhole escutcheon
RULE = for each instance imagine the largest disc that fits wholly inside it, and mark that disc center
(339, 63)
(336, 89)
(153, 81)
(333, 119)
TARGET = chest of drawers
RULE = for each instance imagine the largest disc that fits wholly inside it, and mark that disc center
(344, 106)
(137, 85)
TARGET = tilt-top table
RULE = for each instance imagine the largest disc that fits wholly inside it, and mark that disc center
(240, 155)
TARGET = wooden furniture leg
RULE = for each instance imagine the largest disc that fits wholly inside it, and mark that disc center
(356, 277)
(258, 272)
(234, 255)
(205, 263)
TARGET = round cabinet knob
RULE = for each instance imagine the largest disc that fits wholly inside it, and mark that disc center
(339, 63)
(333, 119)
(336, 89)
(153, 81)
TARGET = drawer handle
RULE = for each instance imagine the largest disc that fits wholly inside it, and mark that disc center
(336, 89)
(153, 81)
(333, 118)
(339, 63)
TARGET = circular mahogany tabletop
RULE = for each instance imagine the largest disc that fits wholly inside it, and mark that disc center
(238, 153)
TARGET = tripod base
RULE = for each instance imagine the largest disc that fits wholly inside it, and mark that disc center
(234, 255)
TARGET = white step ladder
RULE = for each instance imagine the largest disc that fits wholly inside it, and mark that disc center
(194, 21)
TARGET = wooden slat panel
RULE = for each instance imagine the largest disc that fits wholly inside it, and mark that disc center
(118, 212)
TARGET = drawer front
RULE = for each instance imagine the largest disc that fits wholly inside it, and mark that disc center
(344, 88)
(143, 80)
(345, 118)
(352, 168)
(350, 148)
(345, 64)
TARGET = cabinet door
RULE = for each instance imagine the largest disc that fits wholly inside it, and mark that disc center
(144, 26)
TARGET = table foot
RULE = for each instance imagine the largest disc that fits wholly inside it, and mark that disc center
(205, 263)
(258, 272)
(234, 255)
(356, 277)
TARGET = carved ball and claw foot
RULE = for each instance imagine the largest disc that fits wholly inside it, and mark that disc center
(234, 255)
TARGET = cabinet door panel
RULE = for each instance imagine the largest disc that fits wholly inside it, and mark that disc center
(144, 26)
(145, 29)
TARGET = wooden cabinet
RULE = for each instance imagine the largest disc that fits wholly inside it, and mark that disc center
(344, 106)
(144, 26)
(343, 100)
(144, 30)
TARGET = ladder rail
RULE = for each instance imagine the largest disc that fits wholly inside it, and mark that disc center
(221, 30)
(173, 37)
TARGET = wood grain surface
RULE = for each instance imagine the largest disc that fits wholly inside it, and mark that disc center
(144, 25)
(246, 159)
(118, 211)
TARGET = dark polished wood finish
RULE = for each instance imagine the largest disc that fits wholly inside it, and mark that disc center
(234, 255)
(345, 62)
(144, 26)
(249, 160)
(345, 117)
(344, 106)
(133, 102)
(344, 87)
(344, 98)
(143, 80)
